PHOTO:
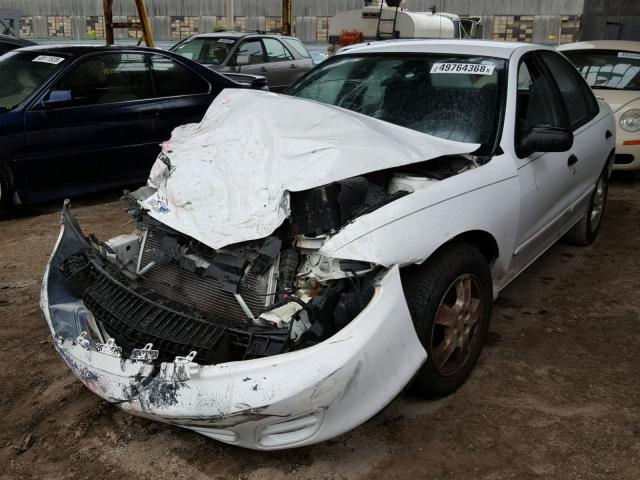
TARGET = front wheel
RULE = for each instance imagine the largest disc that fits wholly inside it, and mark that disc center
(586, 230)
(450, 299)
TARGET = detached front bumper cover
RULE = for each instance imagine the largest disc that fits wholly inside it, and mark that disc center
(282, 401)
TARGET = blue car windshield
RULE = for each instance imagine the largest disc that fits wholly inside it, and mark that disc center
(456, 97)
(23, 72)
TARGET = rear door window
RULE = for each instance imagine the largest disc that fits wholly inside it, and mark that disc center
(579, 101)
(173, 79)
(276, 52)
(108, 78)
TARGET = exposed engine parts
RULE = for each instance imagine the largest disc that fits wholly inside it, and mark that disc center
(251, 299)
(325, 209)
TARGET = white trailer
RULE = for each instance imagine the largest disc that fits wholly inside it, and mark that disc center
(381, 20)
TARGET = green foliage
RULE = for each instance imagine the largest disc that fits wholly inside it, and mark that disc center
(91, 34)
(219, 27)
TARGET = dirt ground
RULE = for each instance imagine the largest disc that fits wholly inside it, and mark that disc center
(556, 393)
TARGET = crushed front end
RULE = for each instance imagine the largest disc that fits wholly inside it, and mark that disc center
(265, 344)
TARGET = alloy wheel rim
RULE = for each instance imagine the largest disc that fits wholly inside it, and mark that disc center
(455, 325)
(598, 204)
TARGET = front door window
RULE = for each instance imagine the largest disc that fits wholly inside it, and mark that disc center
(109, 78)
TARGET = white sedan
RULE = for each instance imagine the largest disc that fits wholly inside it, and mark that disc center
(612, 69)
(300, 259)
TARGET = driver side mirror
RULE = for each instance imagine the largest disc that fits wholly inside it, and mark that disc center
(57, 98)
(242, 60)
(544, 138)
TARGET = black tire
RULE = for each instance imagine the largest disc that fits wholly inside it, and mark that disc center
(6, 188)
(427, 287)
(586, 230)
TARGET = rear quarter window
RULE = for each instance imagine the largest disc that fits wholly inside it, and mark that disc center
(297, 47)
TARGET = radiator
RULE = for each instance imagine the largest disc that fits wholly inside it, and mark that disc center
(205, 294)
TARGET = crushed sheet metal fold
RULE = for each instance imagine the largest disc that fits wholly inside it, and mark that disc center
(266, 403)
(226, 179)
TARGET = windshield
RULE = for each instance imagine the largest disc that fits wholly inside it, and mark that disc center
(23, 72)
(211, 51)
(607, 69)
(451, 97)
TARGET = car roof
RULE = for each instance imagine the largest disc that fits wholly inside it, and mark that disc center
(499, 49)
(79, 49)
(234, 34)
(602, 45)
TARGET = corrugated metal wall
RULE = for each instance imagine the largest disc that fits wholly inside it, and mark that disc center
(611, 20)
(301, 8)
(600, 18)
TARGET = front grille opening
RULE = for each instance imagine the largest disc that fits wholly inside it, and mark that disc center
(134, 315)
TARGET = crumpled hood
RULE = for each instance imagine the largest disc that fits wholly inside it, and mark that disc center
(230, 174)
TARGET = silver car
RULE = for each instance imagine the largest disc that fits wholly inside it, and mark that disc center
(282, 60)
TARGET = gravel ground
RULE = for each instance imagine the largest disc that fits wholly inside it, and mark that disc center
(556, 393)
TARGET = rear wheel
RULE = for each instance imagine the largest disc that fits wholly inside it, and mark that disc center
(586, 230)
(450, 300)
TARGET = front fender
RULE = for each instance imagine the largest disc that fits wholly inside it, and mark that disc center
(410, 229)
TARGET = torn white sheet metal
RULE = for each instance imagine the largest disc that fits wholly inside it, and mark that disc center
(230, 174)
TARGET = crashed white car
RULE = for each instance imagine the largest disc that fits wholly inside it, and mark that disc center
(300, 259)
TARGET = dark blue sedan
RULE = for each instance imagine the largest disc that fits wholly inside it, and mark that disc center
(77, 119)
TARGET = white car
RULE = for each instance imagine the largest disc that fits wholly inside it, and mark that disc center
(612, 70)
(300, 259)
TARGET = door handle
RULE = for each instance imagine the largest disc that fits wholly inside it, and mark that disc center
(292, 66)
(572, 159)
(264, 69)
(608, 134)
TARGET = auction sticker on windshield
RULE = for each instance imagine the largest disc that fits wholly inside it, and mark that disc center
(629, 55)
(473, 68)
(48, 59)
